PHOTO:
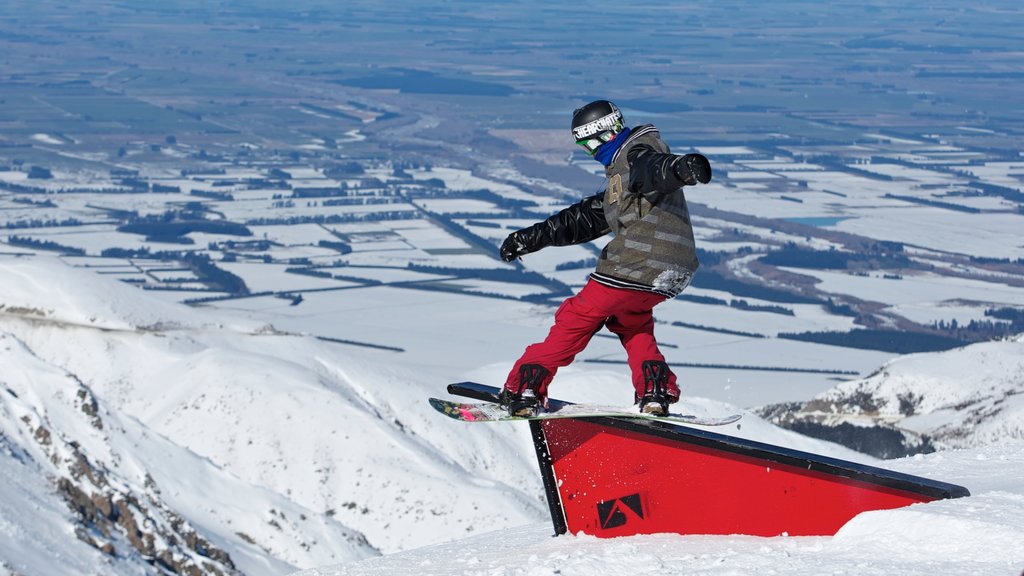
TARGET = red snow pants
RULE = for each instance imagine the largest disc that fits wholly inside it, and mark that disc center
(626, 313)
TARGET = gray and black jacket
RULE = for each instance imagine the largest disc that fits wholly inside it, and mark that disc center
(644, 207)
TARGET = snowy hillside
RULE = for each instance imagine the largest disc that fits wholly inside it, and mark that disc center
(226, 441)
(46, 289)
(157, 434)
(971, 396)
(136, 493)
(276, 450)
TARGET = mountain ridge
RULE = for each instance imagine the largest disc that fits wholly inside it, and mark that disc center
(962, 398)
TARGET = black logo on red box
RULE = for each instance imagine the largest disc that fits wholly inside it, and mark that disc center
(618, 512)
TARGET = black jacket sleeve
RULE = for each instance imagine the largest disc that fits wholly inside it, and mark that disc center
(653, 174)
(582, 222)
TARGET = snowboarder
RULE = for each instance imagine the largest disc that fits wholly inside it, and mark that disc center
(651, 258)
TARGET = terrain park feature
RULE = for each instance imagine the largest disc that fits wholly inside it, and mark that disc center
(621, 475)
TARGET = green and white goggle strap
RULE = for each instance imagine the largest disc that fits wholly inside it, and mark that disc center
(592, 135)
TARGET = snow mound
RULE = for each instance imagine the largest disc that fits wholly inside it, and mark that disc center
(912, 532)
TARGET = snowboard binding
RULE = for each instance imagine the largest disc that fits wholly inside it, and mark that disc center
(656, 396)
(525, 402)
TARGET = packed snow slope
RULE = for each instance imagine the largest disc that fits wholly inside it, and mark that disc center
(979, 535)
(137, 433)
(159, 434)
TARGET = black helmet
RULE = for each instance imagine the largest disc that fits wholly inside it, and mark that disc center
(596, 123)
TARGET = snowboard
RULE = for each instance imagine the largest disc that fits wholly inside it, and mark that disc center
(490, 412)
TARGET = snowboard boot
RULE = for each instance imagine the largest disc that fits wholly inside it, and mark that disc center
(656, 396)
(526, 402)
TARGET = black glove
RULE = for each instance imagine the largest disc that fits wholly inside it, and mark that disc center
(692, 168)
(512, 248)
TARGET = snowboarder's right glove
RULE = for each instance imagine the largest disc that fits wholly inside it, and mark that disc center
(513, 247)
(692, 168)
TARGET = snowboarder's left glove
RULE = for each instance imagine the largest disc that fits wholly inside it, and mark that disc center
(692, 168)
(513, 247)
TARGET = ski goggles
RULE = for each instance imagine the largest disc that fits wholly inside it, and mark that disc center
(594, 142)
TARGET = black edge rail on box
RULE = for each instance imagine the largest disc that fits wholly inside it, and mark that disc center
(748, 448)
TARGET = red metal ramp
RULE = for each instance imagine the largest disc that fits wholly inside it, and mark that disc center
(617, 477)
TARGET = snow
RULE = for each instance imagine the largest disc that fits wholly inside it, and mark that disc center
(970, 396)
(262, 277)
(726, 151)
(47, 289)
(134, 459)
(46, 139)
(290, 453)
(283, 450)
(44, 544)
(980, 535)
(918, 289)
